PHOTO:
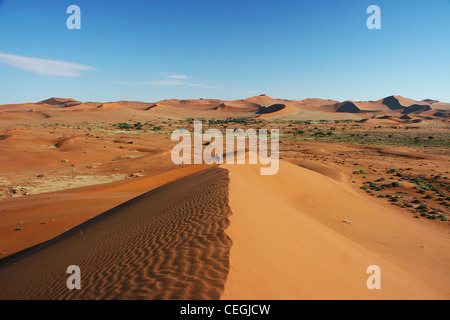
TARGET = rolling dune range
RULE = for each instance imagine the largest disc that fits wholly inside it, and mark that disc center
(77, 186)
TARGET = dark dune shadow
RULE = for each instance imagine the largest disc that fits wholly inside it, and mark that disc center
(169, 243)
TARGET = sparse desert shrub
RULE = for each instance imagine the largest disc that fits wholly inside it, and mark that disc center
(124, 125)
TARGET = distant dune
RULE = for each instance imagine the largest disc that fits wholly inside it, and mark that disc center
(60, 102)
(112, 106)
(271, 109)
(392, 103)
(261, 106)
(416, 108)
(348, 107)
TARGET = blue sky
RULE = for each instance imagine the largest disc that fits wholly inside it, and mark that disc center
(153, 50)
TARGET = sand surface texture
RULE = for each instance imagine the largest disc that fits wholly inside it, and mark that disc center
(166, 244)
(291, 241)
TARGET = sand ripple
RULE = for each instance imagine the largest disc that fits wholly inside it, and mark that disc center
(166, 244)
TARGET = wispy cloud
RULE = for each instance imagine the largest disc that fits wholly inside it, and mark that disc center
(170, 80)
(165, 83)
(47, 67)
(177, 76)
(203, 86)
(123, 82)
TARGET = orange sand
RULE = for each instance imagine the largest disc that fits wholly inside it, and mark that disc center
(290, 241)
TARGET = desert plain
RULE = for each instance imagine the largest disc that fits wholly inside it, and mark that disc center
(92, 184)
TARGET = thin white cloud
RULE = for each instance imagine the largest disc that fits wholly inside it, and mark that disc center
(47, 67)
(123, 82)
(171, 80)
(203, 86)
(177, 76)
(165, 83)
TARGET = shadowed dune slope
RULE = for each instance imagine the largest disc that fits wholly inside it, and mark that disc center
(392, 103)
(301, 235)
(166, 244)
(271, 109)
(416, 108)
(348, 106)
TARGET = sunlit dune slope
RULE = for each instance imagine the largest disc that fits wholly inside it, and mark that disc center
(301, 235)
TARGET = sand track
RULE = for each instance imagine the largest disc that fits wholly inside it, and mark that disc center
(168, 243)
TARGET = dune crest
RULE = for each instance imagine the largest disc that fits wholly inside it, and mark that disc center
(304, 250)
(166, 244)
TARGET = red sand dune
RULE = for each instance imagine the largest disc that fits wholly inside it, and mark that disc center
(287, 243)
(290, 241)
(166, 244)
(112, 106)
(289, 236)
(295, 109)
